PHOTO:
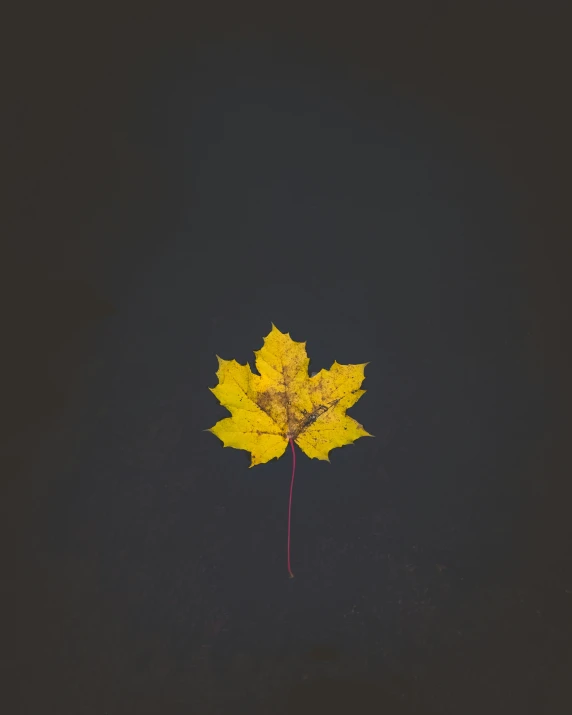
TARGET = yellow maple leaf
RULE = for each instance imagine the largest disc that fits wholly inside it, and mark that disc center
(284, 404)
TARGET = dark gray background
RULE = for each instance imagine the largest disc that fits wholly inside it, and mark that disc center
(388, 187)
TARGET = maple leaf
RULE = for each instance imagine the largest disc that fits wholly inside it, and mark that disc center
(284, 404)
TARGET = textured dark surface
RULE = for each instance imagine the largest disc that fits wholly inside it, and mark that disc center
(388, 189)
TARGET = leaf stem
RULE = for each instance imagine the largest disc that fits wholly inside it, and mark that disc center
(290, 502)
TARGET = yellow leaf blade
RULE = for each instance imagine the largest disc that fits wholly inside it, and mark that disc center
(283, 402)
